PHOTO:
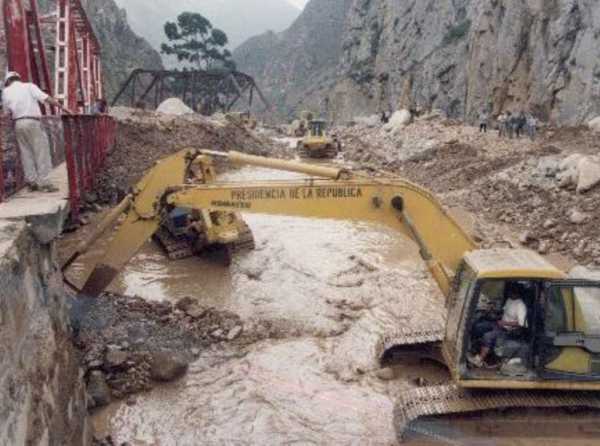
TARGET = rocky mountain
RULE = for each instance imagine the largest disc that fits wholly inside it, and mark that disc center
(123, 50)
(299, 62)
(240, 19)
(356, 57)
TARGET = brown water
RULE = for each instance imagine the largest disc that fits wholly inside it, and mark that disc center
(332, 289)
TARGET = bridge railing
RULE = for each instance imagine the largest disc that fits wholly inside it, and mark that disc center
(88, 139)
(83, 141)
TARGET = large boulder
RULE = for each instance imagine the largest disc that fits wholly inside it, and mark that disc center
(174, 106)
(98, 390)
(399, 120)
(167, 366)
(589, 174)
(594, 124)
(580, 171)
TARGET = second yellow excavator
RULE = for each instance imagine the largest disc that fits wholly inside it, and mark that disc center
(554, 361)
(317, 143)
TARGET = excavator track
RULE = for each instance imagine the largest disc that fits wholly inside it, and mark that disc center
(245, 241)
(176, 248)
(424, 342)
(451, 399)
(322, 153)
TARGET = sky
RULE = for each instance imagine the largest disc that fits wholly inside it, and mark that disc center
(299, 3)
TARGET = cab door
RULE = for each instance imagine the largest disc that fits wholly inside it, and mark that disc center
(568, 344)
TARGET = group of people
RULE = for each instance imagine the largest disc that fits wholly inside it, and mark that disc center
(511, 125)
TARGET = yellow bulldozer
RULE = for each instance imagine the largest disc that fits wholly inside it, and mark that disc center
(317, 143)
(550, 360)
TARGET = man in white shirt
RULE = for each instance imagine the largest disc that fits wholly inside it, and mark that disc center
(514, 317)
(23, 100)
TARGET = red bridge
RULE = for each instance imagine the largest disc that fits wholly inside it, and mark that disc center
(81, 140)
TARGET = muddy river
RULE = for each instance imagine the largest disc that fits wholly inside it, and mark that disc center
(332, 289)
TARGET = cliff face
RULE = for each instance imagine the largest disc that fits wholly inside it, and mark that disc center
(457, 55)
(299, 61)
(122, 50)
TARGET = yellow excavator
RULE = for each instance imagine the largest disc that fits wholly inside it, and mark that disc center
(555, 361)
(187, 232)
(317, 143)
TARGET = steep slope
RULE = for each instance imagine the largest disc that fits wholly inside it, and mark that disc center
(300, 61)
(123, 50)
(240, 19)
(457, 55)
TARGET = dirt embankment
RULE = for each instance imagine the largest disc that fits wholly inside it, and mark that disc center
(145, 137)
(532, 189)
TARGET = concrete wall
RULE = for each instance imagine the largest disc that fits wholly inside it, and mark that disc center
(42, 393)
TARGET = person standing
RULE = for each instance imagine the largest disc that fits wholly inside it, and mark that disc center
(502, 125)
(508, 125)
(532, 126)
(521, 123)
(22, 100)
(483, 121)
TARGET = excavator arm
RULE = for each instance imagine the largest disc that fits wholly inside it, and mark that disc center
(398, 204)
(336, 194)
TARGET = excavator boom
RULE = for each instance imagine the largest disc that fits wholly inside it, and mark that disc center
(336, 194)
(395, 203)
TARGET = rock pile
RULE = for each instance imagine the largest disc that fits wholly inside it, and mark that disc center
(145, 137)
(594, 124)
(544, 192)
(128, 343)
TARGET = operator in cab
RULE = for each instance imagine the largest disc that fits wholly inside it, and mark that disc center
(22, 100)
(510, 326)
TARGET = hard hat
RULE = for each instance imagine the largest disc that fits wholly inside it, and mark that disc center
(11, 75)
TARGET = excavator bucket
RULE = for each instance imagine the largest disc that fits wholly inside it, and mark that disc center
(131, 236)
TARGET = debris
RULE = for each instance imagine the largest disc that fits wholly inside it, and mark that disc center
(577, 218)
(116, 358)
(166, 366)
(385, 374)
(544, 247)
(234, 333)
(398, 120)
(98, 389)
(594, 124)
(525, 238)
(589, 174)
(184, 303)
(368, 121)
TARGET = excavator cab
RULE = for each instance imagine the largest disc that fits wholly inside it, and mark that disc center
(317, 128)
(558, 343)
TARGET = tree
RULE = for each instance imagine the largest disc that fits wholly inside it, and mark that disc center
(193, 39)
